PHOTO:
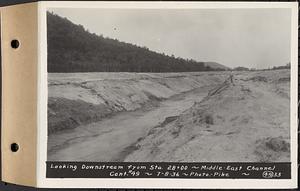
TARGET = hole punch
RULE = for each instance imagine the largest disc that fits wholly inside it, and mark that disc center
(15, 44)
(14, 147)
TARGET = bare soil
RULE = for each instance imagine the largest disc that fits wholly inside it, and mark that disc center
(196, 117)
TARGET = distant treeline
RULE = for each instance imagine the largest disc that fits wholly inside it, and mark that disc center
(71, 48)
(287, 66)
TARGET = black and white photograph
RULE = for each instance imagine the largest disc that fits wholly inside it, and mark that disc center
(169, 85)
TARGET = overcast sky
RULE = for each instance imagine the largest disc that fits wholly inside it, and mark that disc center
(258, 38)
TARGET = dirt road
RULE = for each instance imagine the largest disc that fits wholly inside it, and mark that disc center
(110, 139)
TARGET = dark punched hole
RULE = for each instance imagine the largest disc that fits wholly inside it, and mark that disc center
(15, 44)
(14, 147)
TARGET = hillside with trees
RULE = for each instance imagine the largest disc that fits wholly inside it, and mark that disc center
(240, 68)
(287, 66)
(72, 48)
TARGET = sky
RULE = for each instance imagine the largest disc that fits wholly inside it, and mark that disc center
(253, 38)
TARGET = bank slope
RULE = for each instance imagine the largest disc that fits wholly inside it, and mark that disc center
(243, 121)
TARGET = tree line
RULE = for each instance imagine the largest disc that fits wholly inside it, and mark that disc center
(72, 48)
(240, 68)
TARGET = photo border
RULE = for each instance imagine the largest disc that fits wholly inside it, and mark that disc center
(157, 182)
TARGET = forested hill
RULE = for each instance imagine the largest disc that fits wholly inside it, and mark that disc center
(71, 48)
